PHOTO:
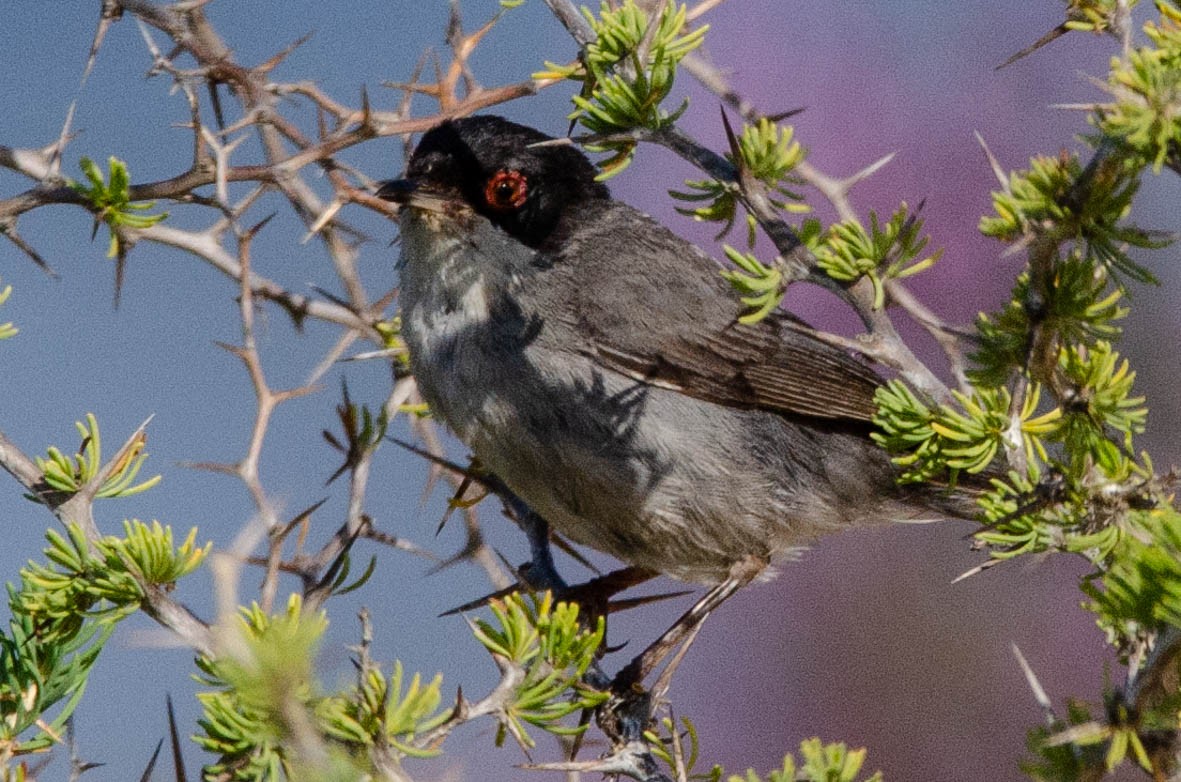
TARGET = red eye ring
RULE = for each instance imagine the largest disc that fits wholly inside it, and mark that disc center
(505, 190)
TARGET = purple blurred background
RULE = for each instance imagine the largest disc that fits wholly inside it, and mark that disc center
(863, 640)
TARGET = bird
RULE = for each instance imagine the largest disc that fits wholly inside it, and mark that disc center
(596, 364)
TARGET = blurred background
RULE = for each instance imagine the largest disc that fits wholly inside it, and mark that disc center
(864, 640)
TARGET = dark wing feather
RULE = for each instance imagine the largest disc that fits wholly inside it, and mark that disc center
(671, 320)
(762, 366)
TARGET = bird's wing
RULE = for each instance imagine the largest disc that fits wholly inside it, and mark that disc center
(671, 320)
(766, 366)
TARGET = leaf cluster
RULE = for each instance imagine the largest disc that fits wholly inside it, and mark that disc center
(1082, 308)
(62, 615)
(1055, 761)
(361, 433)
(627, 72)
(266, 717)
(1053, 335)
(110, 200)
(1143, 584)
(263, 678)
(818, 762)
(548, 648)
(380, 711)
(1084, 442)
(938, 440)
(1051, 419)
(104, 579)
(1056, 331)
(1100, 414)
(65, 475)
(1058, 201)
(847, 251)
(1145, 116)
(768, 152)
(1094, 16)
(759, 286)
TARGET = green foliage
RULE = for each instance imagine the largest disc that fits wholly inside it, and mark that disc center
(67, 475)
(62, 615)
(1055, 331)
(819, 762)
(934, 441)
(1056, 200)
(1119, 732)
(267, 718)
(77, 585)
(111, 201)
(847, 252)
(668, 745)
(38, 676)
(547, 647)
(103, 579)
(1146, 114)
(150, 556)
(1098, 403)
(380, 710)
(1093, 16)
(767, 152)
(362, 432)
(1056, 761)
(6, 329)
(1072, 303)
(1022, 517)
(1142, 587)
(626, 73)
(1073, 481)
(1094, 425)
(263, 680)
(761, 287)
(54, 638)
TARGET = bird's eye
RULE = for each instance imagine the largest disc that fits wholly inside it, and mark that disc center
(505, 190)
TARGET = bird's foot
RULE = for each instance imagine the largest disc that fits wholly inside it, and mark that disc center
(593, 597)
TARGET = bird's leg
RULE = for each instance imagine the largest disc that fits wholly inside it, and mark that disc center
(539, 572)
(630, 708)
(685, 629)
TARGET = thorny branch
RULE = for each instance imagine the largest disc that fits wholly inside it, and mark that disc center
(224, 244)
(79, 509)
(287, 154)
(1154, 680)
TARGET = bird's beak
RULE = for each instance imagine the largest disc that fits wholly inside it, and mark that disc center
(410, 192)
(400, 191)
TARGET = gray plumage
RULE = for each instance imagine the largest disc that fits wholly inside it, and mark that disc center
(592, 360)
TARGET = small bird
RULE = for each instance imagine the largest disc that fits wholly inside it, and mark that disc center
(595, 364)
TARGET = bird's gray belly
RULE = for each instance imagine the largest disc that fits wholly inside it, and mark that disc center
(648, 475)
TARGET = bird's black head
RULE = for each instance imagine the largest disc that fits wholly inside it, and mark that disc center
(497, 168)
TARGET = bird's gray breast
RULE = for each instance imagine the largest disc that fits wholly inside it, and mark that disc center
(568, 437)
(460, 321)
(650, 475)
